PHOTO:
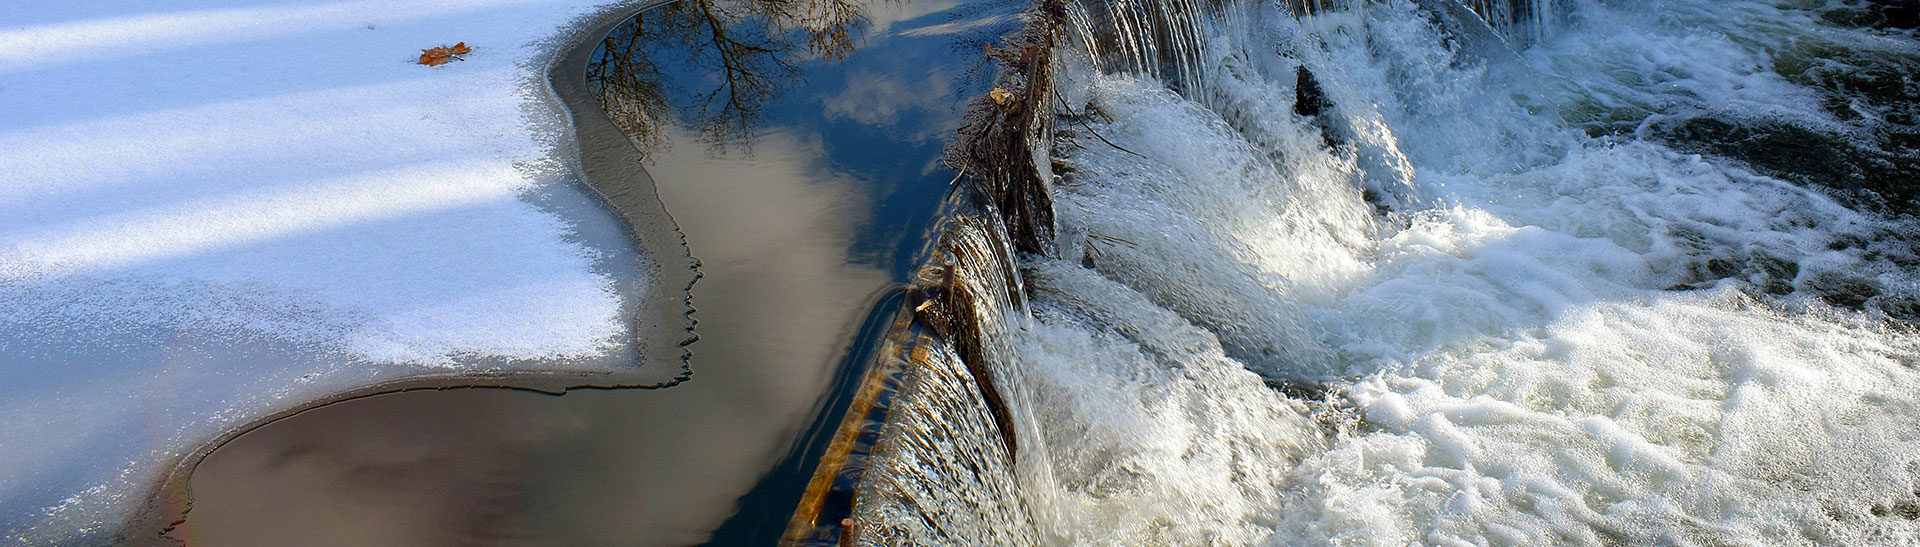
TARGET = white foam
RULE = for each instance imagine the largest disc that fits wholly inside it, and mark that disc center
(1517, 368)
(1155, 436)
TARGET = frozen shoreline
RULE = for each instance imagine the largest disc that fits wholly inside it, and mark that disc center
(593, 181)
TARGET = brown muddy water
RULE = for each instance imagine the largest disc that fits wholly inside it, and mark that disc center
(802, 163)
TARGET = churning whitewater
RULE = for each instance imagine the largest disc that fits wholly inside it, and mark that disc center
(1389, 272)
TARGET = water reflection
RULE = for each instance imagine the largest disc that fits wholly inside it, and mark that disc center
(843, 106)
(743, 54)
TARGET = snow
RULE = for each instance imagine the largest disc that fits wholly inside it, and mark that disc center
(212, 211)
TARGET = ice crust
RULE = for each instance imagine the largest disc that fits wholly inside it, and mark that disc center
(1534, 357)
(213, 211)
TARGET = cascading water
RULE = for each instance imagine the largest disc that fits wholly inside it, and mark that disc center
(1358, 276)
(1157, 38)
(943, 472)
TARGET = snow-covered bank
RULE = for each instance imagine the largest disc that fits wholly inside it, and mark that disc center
(213, 213)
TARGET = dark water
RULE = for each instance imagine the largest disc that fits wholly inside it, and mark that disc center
(797, 144)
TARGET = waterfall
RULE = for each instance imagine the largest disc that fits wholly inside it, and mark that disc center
(1162, 38)
(944, 470)
(1392, 272)
(1512, 22)
(943, 475)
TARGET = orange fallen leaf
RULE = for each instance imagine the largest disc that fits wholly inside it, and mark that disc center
(436, 56)
(460, 49)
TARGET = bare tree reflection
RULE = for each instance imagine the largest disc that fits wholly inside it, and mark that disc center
(714, 64)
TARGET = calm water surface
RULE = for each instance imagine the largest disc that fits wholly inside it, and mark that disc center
(800, 154)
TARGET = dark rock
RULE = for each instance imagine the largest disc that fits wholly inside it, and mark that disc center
(1308, 99)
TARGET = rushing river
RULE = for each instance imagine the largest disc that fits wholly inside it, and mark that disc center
(1390, 272)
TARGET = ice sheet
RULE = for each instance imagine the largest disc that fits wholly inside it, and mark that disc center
(213, 211)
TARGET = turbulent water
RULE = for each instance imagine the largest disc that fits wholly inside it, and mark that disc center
(1388, 272)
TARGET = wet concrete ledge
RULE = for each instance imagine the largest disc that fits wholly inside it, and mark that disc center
(599, 156)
